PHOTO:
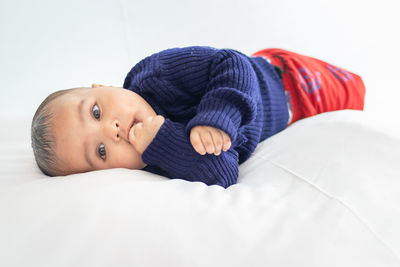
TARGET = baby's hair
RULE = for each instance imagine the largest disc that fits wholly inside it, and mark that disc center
(42, 138)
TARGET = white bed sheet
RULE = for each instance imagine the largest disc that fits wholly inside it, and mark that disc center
(324, 192)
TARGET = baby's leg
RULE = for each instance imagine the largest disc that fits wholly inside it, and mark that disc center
(314, 86)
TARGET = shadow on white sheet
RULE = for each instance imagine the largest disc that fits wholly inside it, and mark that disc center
(323, 192)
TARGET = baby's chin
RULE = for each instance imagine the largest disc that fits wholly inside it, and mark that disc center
(72, 170)
(136, 167)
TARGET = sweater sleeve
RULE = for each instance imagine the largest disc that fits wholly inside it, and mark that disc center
(220, 83)
(172, 152)
(230, 98)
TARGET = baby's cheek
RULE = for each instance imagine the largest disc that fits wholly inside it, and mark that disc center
(124, 155)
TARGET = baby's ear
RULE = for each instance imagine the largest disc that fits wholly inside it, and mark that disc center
(97, 85)
(94, 85)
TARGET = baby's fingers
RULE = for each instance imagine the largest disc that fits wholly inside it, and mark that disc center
(206, 139)
(213, 140)
(197, 144)
(226, 140)
(218, 141)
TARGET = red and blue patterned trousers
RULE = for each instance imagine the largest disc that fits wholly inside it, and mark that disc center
(313, 86)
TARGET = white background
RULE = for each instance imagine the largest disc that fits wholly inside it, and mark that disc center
(48, 45)
(327, 209)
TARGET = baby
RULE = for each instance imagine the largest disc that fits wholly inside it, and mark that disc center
(193, 113)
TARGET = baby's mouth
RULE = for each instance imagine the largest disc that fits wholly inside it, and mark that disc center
(130, 127)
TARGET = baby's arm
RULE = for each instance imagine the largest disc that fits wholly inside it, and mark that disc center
(172, 151)
(203, 138)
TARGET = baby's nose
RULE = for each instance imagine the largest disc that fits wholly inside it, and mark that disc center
(115, 132)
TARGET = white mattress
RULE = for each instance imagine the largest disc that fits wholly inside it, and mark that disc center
(324, 192)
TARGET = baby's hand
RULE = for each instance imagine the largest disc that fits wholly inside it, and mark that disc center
(141, 135)
(209, 139)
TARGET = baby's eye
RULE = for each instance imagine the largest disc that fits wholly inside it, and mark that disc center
(101, 150)
(96, 112)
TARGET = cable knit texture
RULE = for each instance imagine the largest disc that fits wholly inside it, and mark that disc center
(199, 85)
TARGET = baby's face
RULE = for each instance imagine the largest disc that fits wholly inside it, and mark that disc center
(91, 128)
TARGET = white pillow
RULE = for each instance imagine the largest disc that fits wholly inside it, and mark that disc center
(323, 192)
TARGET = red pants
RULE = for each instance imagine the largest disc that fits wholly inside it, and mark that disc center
(313, 86)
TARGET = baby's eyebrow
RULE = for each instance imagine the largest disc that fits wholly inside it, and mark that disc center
(85, 143)
(87, 158)
(80, 111)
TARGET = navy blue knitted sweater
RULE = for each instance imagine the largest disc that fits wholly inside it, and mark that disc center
(222, 88)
